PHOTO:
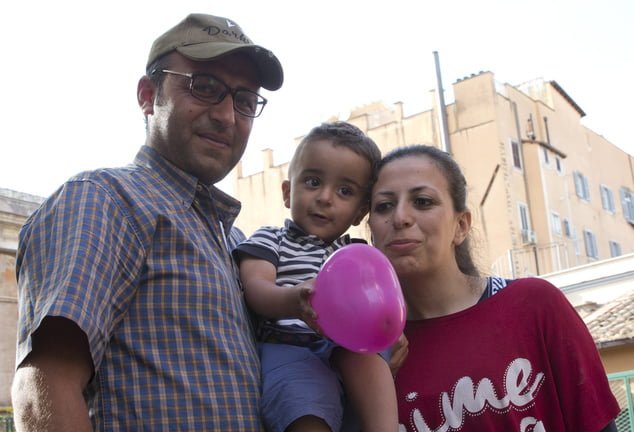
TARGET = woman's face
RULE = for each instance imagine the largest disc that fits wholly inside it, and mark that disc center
(412, 217)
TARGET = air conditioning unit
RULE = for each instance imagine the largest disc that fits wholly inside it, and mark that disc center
(529, 237)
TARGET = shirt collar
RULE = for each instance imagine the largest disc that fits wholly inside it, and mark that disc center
(296, 232)
(184, 185)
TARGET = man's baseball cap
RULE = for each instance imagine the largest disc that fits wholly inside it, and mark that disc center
(203, 37)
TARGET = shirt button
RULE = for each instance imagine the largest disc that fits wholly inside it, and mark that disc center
(199, 187)
(197, 202)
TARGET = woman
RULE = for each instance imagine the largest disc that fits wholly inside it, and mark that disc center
(485, 354)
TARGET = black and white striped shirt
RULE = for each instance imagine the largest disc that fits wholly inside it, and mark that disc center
(297, 256)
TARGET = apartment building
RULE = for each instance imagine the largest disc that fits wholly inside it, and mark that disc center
(546, 192)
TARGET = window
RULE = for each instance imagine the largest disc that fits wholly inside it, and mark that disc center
(627, 202)
(615, 249)
(568, 229)
(528, 236)
(569, 232)
(545, 152)
(607, 198)
(581, 186)
(555, 222)
(591, 244)
(517, 158)
(524, 222)
(546, 130)
(559, 164)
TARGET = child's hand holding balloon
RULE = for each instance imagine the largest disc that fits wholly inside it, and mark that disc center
(358, 299)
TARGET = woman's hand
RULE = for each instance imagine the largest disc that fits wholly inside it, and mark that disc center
(399, 352)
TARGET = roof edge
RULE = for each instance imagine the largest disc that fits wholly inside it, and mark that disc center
(566, 96)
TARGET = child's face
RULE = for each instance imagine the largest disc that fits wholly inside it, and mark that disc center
(327, 189)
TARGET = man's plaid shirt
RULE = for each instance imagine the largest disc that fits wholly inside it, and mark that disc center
(138, 257)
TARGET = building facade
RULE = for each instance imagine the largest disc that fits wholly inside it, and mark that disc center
(15, 207)
(546, 192)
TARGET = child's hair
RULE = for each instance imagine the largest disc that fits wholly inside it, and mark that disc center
(457, 190)
(341, 133)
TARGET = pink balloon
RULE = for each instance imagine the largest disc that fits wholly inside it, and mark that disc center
(358, 299)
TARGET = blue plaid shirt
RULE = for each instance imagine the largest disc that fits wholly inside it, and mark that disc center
(139, 258)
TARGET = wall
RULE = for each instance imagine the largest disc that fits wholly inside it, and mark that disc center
(618, 359)
(14, 209)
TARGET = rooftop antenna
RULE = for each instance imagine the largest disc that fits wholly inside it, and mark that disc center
(444, 136)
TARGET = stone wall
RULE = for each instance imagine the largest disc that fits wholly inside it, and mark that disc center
(15, 207)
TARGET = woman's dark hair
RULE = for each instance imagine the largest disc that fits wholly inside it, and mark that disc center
(457, 190)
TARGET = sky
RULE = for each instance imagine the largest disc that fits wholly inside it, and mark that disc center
(70, 68)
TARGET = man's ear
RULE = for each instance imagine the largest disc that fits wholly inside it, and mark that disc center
(145, 92)
(363, 210)
(286, 193)
(462, 228)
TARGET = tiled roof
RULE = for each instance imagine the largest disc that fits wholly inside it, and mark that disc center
(587, 308)
(612, 323)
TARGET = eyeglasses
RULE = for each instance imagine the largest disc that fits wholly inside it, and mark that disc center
(210, 89)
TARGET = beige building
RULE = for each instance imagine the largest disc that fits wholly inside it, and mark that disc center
(547, 193)
(14, 209)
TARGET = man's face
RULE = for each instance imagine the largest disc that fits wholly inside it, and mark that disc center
(202, 139)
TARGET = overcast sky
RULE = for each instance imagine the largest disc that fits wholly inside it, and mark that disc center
(70, 68)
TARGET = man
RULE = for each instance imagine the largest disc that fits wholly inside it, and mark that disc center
(131, 315)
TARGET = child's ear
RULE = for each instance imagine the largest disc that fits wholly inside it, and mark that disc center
(286, 193)
(363, 210)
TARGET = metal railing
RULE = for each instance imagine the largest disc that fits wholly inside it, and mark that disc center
(622, 385)
(535, 260)
(6, 424)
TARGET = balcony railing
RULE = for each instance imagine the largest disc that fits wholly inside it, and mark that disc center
(622, 385)
(535, 259)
